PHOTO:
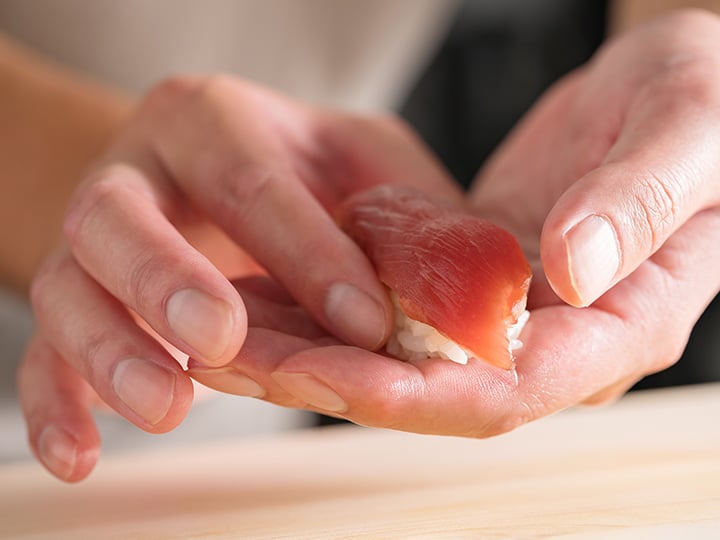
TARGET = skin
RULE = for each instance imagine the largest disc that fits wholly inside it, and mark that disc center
(631, 137)
(270, 174)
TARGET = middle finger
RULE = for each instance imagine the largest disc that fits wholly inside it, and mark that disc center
(96, 335)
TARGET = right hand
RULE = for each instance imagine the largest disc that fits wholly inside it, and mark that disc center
(212, 179)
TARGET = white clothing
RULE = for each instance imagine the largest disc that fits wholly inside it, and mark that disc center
(359, 54)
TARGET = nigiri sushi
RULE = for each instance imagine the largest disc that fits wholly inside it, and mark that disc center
(459, 283)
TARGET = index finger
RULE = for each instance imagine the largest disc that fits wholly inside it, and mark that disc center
(260, 170)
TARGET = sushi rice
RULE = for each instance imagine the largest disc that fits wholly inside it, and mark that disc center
(415, 340)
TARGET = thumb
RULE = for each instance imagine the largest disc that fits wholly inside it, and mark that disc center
(662, 169)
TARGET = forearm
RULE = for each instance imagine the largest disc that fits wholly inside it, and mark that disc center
(625, 14)
(54, 123)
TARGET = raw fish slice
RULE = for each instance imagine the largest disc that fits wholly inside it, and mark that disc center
(461, 275)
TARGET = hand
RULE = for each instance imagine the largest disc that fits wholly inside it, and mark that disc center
(625, 168)
(213, 178)
(628, 147)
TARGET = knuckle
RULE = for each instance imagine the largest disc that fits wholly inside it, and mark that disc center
(498, 426)
(187, 92)
(609, 394)
(686, 71)
(396, 404)
(141, 279)
(666, 361)
(91, 353)
(39, 286)
(601, 398)
(331, 125)
(222, 92)
(657, 200)
(388, 125)
(218, 85)
(90, 201)
(667, 338)
(392, 122)
(505, 415)
(507, 420)
(82, 351)
(242, 188)
(47, 279)
(27, 366)
(685, 61)
(688, 80)
(171, 90)
(671, 353)
(501, 423)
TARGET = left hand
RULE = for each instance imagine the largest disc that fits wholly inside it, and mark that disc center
(629, 147)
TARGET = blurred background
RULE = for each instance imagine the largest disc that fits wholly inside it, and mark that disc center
(461, 72)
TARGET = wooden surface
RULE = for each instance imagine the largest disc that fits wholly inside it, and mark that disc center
(647, 467)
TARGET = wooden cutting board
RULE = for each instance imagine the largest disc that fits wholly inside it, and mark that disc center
(647, 467)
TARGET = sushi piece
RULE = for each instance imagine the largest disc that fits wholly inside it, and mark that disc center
(459, 283)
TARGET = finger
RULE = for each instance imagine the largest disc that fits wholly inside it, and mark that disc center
(56, 405)
(264, 287)
(661, 171)
(432, 396)
(249, 373)
(475, 400)
(375, 150)
(128, 369)
(612, 393)
(288, 319)
(678, 275)
(276, 169)
(257, 195)
(569, 354)
(118, 232)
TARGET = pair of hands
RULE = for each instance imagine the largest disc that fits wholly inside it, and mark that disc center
(611, 184)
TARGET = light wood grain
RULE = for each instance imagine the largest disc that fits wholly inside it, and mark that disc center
(647, 467)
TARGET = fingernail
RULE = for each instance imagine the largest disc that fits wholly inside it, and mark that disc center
(310, 390)
(227, 380)
(144, 387)
(593, 257)
(357, 318)
(202, 321)
(58, 451)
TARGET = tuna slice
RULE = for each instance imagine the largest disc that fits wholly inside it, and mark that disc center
(463, 276)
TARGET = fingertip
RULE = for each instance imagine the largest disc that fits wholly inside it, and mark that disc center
(65, 456)
(311, 390)
(180, 402)
(214, 328)
(154, 396)
(593, 257)
(582, 261)
(553, 255)
(56, 405)
(358, 317)
(228, 380)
